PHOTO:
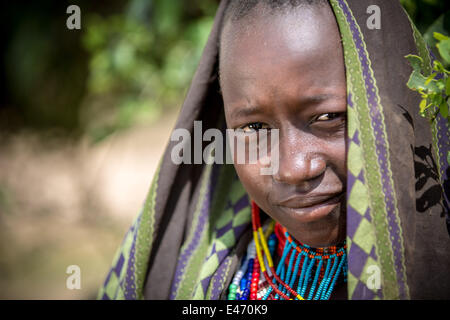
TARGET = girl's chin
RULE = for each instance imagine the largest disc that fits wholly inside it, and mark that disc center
(317, 233)
(320, 241)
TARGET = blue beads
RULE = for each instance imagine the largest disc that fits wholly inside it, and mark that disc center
(291, 261)
(307, 277)
(247, 277)
(316, 277)
(245, 294)
(294, 275)
(327, 281)
(272, 243)
(327, 296)
(325, 277)
(243, 284)
(302, 275)
(288, 270)
(267, 293)
(280, 286)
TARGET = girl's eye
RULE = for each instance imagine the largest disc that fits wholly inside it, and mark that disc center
(255, 126)
(328, 116)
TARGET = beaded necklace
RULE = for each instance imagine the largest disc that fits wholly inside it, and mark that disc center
(320, 268)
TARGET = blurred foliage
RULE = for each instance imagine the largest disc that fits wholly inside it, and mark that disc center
(433, 84)
(430, 16)
(141, 61)
(425, 12)
(131, 61)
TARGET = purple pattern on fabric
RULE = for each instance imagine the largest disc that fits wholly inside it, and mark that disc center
(130, 285)
(205, 283)
(202, 219)
(355, 218)
(221, 255)
(381, 149)
(108, 277)
(238, 230)
(362, 292)
(117, 269)
(355, 258)
(240, 204)
(373, 254)
(356, 254)
(105, 296)
(355, 138)
(367, 215)
(351, 179)
(224, 229)
(119, 265)
(361, 177)
(218, 278)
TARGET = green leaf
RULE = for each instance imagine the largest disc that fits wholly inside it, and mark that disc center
(430, 77)
(415, 61)
(417, 82)
(443, 109)
(444, 50)
(437, 65)
(437, 99)
(423, 105)
(448, 157)
(447, 87)
(440, 36)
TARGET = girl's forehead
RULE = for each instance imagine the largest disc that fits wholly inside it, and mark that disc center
(276, 35)
(306, 40)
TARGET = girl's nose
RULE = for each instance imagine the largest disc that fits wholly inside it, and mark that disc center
(299, 164)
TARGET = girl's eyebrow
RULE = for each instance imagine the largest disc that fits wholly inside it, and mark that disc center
(245, 111)
(320, 98)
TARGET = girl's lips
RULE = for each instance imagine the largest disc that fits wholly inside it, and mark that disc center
(315, 209)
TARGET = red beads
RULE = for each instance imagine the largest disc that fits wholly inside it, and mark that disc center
(255, 281)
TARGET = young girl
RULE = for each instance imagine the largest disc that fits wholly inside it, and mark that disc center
(343, 216)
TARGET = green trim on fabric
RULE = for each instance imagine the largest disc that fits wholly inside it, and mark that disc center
(372, 174)
(229, 189)
(144, 240)
(189, 274)
(222, 279)
(206, 268)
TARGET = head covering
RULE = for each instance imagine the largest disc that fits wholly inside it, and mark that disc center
(187, 241)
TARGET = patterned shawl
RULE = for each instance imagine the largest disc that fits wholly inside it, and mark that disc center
(187, 241)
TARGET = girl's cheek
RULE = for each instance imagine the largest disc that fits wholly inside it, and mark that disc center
(337, 157)
(254, 183)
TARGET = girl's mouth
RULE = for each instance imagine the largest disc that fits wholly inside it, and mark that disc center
(311, 208)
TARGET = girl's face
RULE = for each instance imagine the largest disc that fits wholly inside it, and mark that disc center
(286, 71)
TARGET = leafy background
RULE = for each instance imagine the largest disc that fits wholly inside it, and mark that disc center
(84, 117)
